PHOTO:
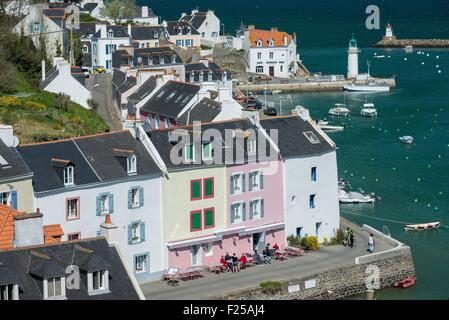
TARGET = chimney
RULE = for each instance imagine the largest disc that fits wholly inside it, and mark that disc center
(102, 29)
(145, 12)
(129, 29)
(251, 27)
(205, 62)
(28, 229)
(7, 135)
(109, 230)
(43, 69)
(274, 29)
(301, 112)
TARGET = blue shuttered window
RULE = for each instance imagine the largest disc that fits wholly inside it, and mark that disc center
(130, 234)
(261, 179)
(142, 231)
(140, 236)
(141, 194)
(130, 204)
(244, 211)
(98, 205)
(261, 208)
(243, 182)
(232, 184)
(14, 199)
(313, 174)
(111, 203)
(135, 197)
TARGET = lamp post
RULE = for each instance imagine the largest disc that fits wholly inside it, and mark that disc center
(222, 24)
(280, 106)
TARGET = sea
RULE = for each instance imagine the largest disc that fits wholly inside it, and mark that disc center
(412, 180)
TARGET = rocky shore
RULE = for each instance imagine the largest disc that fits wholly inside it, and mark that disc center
(416, 43)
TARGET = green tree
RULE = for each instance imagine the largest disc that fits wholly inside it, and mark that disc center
(78, 50)
(118, 9)
(58, 49)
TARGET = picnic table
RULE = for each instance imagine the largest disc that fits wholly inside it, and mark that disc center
(294, 252)
(190, 273)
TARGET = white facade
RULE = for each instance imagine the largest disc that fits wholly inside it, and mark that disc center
(353, 59)
(37, 25)
(105, 45)
(209, 29)
(52, 205)
(389, 31)
(68, 85)
(300, 218)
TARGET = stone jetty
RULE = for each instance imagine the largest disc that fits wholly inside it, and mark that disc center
(387, 42)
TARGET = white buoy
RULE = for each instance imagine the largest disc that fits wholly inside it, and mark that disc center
(422, 62)
(439, 71)
(437, 66)
(438, 57)
(427, 54)
(405, 59)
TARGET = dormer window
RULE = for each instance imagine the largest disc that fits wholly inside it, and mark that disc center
(110, 34)
(179, 31)
(271, 42)
(252, 146)
(259, 43)
(132, 164)
(150, 61)
(9, 292)
(68, 176)
(98, 282)
(173, 59)
(189, 30)
(54, 288)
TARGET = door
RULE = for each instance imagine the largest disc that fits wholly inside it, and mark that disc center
(318, 229)
(194, 250)
(259, 241)
(271, 71)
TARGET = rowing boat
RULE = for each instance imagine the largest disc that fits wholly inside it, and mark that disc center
(422, 226)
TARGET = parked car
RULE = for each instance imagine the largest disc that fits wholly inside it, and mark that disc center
(270, 111)
(98, 69)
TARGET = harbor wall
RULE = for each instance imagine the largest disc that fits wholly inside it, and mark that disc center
(343, 281)
(309, 86)
(417, 43)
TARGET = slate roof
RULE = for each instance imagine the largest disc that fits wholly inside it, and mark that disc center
(196, 20)
(50, 75)
(118, 32)
(291, 139)
(16, 166)
(87, 29)
(173, 26)
(213, 72)
(118, 77)
(91, 156)
(160, 139)
(144, 90)
(170, 99)
(205, 111)
(127, 84)
(90, 6)
(26, 266)
(147, 32)
(148, 57)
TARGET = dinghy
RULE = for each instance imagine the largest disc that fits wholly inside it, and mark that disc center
(406, 139)
(355, 197)
(422, 226)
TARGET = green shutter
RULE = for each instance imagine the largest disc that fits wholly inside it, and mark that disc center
(232, 214)
(243, 182)
(209, 218)
(244, 211)
(195, 221)
(189, 152)
(206, 150)
(195, 187)
(232, 184)
(209, 187)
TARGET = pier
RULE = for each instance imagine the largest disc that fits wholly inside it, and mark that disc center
(309, 86)
(416, 43)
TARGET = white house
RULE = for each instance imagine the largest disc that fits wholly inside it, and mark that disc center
(206, 23)
(105, 41)
(271, 52)
(62, 79)
(310, 176)
(44, 26)
(78, 182)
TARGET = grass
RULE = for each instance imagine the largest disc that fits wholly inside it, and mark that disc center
(39, 117)
(84, 17)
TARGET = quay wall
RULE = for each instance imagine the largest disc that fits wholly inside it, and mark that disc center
(343, 281)
(417, 43)
(309, 86)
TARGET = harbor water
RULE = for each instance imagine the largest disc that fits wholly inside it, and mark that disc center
(413, 180)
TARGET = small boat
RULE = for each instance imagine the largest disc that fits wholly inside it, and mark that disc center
(405, 283)
(379, 57)
(266, 91)
(368, 110)
(408, 49)
(355, 197)
(276, 92)
(406, 139)
(422, 226)
(339, 110)
(370, 87)
(325, 126)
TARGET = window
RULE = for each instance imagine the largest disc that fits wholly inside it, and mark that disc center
(259, 55)
(132, 164)
(141, 263)
(108, 64)
(68, 175)
(195, 221)
(207, 151)
(98, 282)
(238, 212)
(312, 201)
(255, 180)
(208, 185)
(179, 43)
(37, 26)
(259, 43)
(136, 232)
(190, 153)
(209, 218)
(203, 34)
(271, 55)
(311, 137)
(298, 231)
(252, 146)
(74, 236)
(85, 49)
(72, 209)
(189, 43)
(195, 190)
(7, 292)
(256, 209)
(135, 197)
(208, 249)
(313, 174)
(237, 183)
(259, 69)
(110, 34)
(4, 198)
(105, 204)
(281, 68)
(54, 287)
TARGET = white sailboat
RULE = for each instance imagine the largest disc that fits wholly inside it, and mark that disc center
(368, 110)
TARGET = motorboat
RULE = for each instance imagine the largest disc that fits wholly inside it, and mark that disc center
(406, 139)
(408, 49)
(276, 92)
(355, 197)
(339, 110)
(369, 87)
(405, 283)
(379, 56)
(325, 126)
(266, 91)
(422, 226)
(368, 110)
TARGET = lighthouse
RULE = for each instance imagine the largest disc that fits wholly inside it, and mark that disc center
(389, 31)
(353, 59)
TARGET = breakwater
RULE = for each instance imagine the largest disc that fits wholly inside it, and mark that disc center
(309, 86)
(416, 43)
(343, 281)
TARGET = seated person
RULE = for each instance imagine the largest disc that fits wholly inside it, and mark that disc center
(243, 261)
(276, 247)
(268, 251)
(223, 262)
(257, 258)
(228, 260)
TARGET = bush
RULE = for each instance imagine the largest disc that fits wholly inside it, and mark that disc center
(271, 287)
(10, 101)
(36, 106)
(294, 241)
(7, 77)
(310, 243)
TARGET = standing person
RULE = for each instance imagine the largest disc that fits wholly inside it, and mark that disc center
(351, 238)
(243, 261)
(235, 262)
(228, 260)
(371, 243)
(346, 236)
